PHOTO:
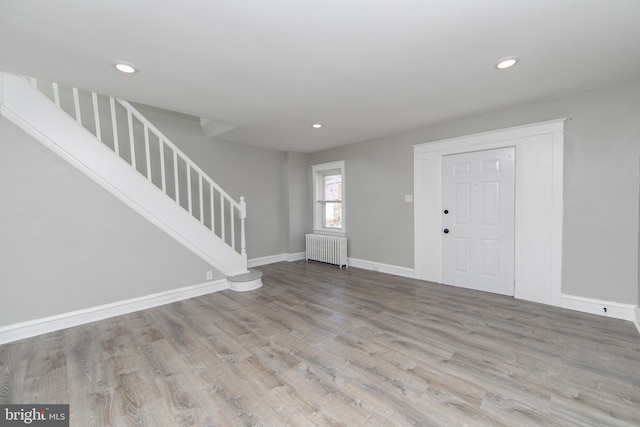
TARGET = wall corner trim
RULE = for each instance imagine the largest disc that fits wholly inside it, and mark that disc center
(58, 322)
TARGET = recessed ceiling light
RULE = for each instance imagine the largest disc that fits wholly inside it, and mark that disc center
(125, 67)
(507, 62)
(316, 125)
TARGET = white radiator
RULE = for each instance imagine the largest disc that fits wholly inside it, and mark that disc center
(329, 249)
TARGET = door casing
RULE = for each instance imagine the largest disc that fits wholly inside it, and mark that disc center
(538, 205)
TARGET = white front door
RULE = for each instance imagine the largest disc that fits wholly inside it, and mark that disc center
(478, 212)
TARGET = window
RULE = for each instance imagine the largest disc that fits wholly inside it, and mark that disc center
(328, 197)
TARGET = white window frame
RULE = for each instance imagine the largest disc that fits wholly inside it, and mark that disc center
(318, 171)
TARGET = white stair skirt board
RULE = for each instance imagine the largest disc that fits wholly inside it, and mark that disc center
(616, 310)
(246, 282)
(637, 321)
(31, 111)
(58, 322)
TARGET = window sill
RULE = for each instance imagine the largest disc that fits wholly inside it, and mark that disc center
(328, 232)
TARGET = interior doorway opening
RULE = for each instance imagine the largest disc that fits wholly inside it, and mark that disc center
(538, 205)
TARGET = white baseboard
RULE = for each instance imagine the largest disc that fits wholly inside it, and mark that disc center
(269, 259)
(295, 256)
(594, 306)
(383, 268)
(637, 319)
(358, 263)
(272, 259)
(45, 325)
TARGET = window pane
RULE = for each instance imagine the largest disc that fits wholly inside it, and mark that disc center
(333, 187)
(333, 215)
(328, 196)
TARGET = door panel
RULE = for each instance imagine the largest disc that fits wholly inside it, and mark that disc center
(462, 256)
(491, 203)
(478, 193)
(490, 258)
(463, 203)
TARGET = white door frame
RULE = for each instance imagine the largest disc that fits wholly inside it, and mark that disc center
(539, 205)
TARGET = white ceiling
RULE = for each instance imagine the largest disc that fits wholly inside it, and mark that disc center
(362, 68)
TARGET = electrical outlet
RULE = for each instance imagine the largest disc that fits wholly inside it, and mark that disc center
(209, 275)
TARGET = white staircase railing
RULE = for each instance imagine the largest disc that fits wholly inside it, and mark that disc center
(134, 139)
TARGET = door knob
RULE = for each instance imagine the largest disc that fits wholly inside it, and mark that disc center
(446, 211)
(446, 231)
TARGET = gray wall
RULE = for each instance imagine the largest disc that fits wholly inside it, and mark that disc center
(241, 170)
(67, 244)
(51, 249)
(298, 194)
(602, 146)
(379, 224)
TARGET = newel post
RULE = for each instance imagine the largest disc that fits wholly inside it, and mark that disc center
(243, 215)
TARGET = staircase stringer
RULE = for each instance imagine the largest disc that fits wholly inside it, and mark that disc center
(35, 114)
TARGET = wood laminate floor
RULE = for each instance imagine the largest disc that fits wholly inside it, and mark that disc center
(317, 345)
